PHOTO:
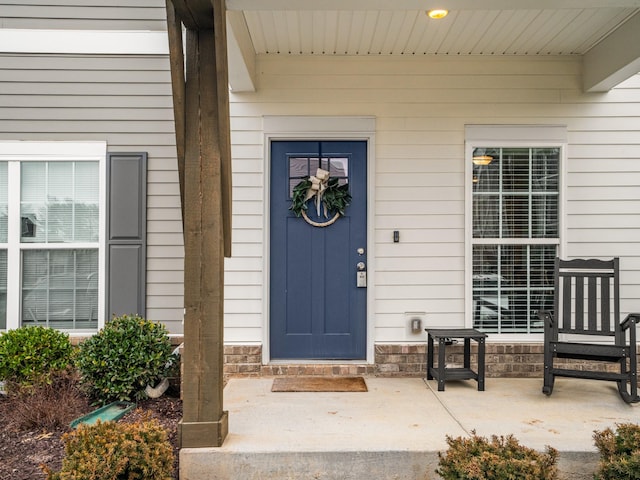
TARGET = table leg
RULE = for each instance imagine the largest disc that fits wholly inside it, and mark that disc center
(441, 364)
(467, 353)
(429, 356)
(481, 349)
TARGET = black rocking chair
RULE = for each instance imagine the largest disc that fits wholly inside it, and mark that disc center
(585, 325)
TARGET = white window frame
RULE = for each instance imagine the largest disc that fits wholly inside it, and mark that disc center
(16, 152)
(523, 136)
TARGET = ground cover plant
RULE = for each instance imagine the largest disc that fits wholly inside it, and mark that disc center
(498, 458)
(619, 452)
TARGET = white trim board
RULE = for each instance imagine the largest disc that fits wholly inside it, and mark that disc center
(113, 42)
(336, 127)
(516, 133)
(510, 136)
(14, 152)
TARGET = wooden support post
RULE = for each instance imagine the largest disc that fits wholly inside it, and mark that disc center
(201, 109)
(204, 423)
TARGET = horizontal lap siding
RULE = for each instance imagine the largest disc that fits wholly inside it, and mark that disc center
(244, 289)
(604, 187)
(84, 14)
(421, 106)
(127, 102)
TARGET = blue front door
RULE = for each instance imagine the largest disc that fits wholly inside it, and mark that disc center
(318, 311)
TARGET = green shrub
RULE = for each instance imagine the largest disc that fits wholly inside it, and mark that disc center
(124, 357)
(116, 451)
(30, 355)
(501, 458)
(619, 452)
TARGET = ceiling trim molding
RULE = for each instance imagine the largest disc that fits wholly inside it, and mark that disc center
(614, 59)
(336, 5)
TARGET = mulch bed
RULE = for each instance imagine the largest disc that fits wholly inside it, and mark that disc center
(23, 452)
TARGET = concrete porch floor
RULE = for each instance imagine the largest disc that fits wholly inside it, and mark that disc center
(395, 430)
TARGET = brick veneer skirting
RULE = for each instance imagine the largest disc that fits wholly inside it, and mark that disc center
(390, 360)
(502, 360)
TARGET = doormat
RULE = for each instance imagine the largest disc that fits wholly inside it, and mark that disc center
(319, 384)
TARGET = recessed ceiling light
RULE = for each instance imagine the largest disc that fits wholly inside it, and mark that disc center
(438, 13)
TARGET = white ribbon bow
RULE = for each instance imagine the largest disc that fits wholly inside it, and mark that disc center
(319, 183)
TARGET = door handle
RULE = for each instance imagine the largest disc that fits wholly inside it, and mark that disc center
(361, 266)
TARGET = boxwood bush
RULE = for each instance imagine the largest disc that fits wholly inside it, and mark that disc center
(501, 458)
(619, 452)
(124, 357)
(31, 355)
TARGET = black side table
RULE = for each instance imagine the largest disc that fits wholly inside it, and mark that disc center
(444, 336)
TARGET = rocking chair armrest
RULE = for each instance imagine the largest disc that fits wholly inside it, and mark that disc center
(631, 320)
(546, 316)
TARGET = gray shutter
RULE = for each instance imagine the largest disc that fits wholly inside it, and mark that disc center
(126, 233)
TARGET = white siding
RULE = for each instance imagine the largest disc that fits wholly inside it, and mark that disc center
(84, 14)
(244, 289)
(421, 105)
(603, 211)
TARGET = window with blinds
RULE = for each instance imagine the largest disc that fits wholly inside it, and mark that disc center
(59, 202)
(59, 205)
(515, 204)
(52, 234)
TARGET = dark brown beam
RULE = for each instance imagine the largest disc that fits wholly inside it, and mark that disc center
(176, 62)
(204, 423)
(198, 15)
(195, 14)
(201, 105)
(224, 127)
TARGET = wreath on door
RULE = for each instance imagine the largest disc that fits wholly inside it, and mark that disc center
(329, 196)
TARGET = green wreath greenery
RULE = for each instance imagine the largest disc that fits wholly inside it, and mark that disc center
(335, 198)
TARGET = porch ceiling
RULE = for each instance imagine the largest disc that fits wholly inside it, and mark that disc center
(605, 33)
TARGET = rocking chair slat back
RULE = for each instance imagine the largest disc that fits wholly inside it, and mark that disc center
(588, 314)
(586, 306)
